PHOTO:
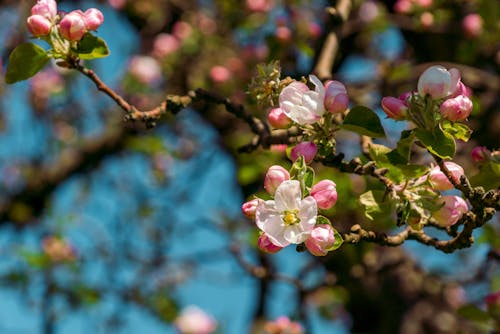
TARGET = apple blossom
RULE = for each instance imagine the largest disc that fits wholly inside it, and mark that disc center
(165, 44)
(73, 26)
(336, 99)
(93, 18)
(301, 104)
(145, 69)
(274, 177)
(283, 325)
(480, 154)
(394, 108)
(439, 181)
(265, 244)
(38, 25)
(220, 74)
(321, 239)
(325, 194)
(452, 210)
(472, 25)
(288, 218)
(438, 82)
(306, 149)
(259, 5)
(45, 8)
(248, 208)
(193, 320)
(182, 30)
(456, 109)
(278, 119)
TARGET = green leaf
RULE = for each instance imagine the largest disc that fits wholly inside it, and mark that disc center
(401, 154)
(322, 220)
(338, 241)
(473, 313)
(363, 121)
(25, 61)
(488, 176)
(92, 47)
(374, 204)
(437, 142)
(457, 130)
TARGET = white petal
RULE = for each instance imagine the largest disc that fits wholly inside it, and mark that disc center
(275, 230)
(302, 115)
(307, 213)
(295, 234)
(320, 89)
(288, 195)
(265, 211)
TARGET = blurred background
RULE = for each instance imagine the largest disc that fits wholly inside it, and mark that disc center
(111, 227)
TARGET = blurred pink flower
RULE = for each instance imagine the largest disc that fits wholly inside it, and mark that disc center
(220, 74)
(193, 320)
(145, 69)
(165, 44)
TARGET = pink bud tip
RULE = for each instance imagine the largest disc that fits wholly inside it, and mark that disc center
(274, 177)
(265, 244)
(306, 149)
(38, 25)
(278, 119)
(394, 108)
(456, 109)
(73, 26)
(322, 238)
(439, 181)
(45, 8)
(93, 18)
(452, 210)
(480, 154)
(248, 208)
(325, 194)
(336, 98)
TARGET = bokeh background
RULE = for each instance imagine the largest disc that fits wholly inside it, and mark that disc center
(146, 221)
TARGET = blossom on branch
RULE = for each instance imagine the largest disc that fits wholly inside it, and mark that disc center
(302, 105)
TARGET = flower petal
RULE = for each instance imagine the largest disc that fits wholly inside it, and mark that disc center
(307, 213)
(265, 211)
(288, 195)
(295, 234)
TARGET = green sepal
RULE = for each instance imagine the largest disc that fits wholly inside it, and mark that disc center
(458, 131)
(338, 241)
(363, 121)
(25, 61)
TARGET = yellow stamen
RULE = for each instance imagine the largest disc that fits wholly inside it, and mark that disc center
(290, 217)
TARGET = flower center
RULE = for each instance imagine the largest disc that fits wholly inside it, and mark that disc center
(290, 217)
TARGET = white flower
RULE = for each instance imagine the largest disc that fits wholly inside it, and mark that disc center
(288, 219)
(192, 320)
(302, 105)
(438, 82)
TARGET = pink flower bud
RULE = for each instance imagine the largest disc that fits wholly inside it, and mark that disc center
(278, 119)
(306, 149)
(405, 96)
(402, 6)
(165, 44)
(472, 25)
(265, 244)
(283, 34)
(248, 208)
(480, 154)
(259, 5)
(274, 177)
(193, 320)
(93, 18)
(336, 99)
(145, 69)
(426, 19)
(220, 74)
(394, 108)
(325, 194)
(73, 26)
(456, 109)
(182, 30)
(462, 90)
(321, 239)
(453, 209)
(439, 181)
(46, 8)
(38, 25)
(438, 82)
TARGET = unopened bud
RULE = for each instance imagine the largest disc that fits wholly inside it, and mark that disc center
(325, 194)
(73, 26)
(336, 98)
(274, 177)
(306, 149)
(394, 108)
(438, 82)
(278, 119)
(439, 181)
(45, 8)
(93, 18)
(38, 25)
(248, 208)
(453, 209)
(265, 244)
(322, 238)
(480, 154)
(456, 109)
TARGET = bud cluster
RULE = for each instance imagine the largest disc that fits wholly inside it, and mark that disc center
(448, 97)
(72, 26)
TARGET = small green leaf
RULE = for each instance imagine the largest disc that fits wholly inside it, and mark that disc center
(322, 220)
(473, 313)
(401, 154)
(363, 121)
(25, 61)
(92, 47)
(437, 142)
(374, 204)
(338, 241)
(457, 130)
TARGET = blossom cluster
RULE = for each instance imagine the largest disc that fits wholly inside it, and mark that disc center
(46, 19)
(291, 217)
(449, 98)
